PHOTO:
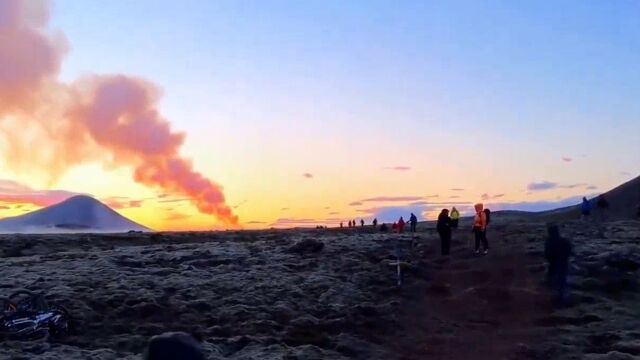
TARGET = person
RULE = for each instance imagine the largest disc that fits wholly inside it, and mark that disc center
(455, 218)
(375, 222)
(413, 222)
(394, 227)
(401, 224)
(362, 222)
(602, 205)
(384, 227)
(354, 223)
(557, 251)
(341, 225)
(444, 230)
(173, 346)
(480, 229)
(585, 209)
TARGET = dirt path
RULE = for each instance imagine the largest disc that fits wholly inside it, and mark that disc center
(473, 307)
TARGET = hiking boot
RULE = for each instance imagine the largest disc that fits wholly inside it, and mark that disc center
(477, 251)
(485, 252)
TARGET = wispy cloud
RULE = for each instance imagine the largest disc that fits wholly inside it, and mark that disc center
(4, 207)
(334, 213)
(486, 196)
(12, 192)
(567, 159)
(120, 202)
(165, 201)
(176, 217)
(457, 189)
(355, 203)
(542, 186)
(308, 175)
(255, 222)
(284, 209)
(392, 199)
(398, 168)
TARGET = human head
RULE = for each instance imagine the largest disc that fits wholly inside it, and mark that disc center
(554, 231)
(174, 346)
(445, 211)
(479, 207)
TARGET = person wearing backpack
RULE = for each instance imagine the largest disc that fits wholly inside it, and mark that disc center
(480, 228)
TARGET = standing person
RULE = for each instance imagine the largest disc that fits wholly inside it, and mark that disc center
(455, 218)
(602, 205)
(413, 222)
(557, 251)
(361, 222)
(394, 227)
(341, 225)
(480, 229)
(401, 224)
(585, 208)
(375, 222)
(444, 230)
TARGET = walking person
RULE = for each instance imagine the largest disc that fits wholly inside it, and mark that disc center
(361, 222)
(444, 230)
(557, 251)
(455, 218)
(413, 222)
(375, 223)
(480, 229)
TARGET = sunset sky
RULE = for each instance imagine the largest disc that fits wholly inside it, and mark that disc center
(316, 112)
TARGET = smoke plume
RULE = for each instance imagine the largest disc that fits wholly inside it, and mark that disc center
(49, 125)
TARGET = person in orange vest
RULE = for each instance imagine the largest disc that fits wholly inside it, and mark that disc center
(401, 225)
(480, 229)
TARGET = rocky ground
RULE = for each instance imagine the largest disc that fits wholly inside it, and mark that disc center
(331, 294)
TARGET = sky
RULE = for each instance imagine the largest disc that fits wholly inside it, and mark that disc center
(317, 112)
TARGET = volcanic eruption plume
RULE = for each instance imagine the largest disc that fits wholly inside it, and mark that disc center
(51, 125)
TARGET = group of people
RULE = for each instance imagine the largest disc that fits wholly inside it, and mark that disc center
(448, 221)
(601, 204)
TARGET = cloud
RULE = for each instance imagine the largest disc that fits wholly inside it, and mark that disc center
(535, 206)
(542, 186)
(432, 196)
(176, 217)
(119, 202)
(497, 196)
(592, 187)
(334, 213)
(399, 168)
(485, 196)
(393, 199)
(255, 222)
(4, 207)
(166, 201)
(284, 209)
(308, 175)
(355, 203)
(457, 189)
(239, 204)
(454, 197)
(12, 192)
(567, 159)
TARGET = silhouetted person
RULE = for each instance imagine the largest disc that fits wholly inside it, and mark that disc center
(362, 222)
(557, 251)
(602, 205)
(174, 346)
(350, 225)
(375, 222)
(444, 230)
(384, 228)
(413, 222)
(585, 208)
(401, 224)
(394, 227)
(480, 229)
(341, 225)
(455, 218)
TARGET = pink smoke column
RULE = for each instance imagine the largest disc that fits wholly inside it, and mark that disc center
(71, 122)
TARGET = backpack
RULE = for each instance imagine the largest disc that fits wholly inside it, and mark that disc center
(487, 214)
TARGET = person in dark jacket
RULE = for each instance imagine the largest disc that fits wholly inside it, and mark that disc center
(444, 229)
(602, 205)
(413, 222)
(375, 222)
(557, 251)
